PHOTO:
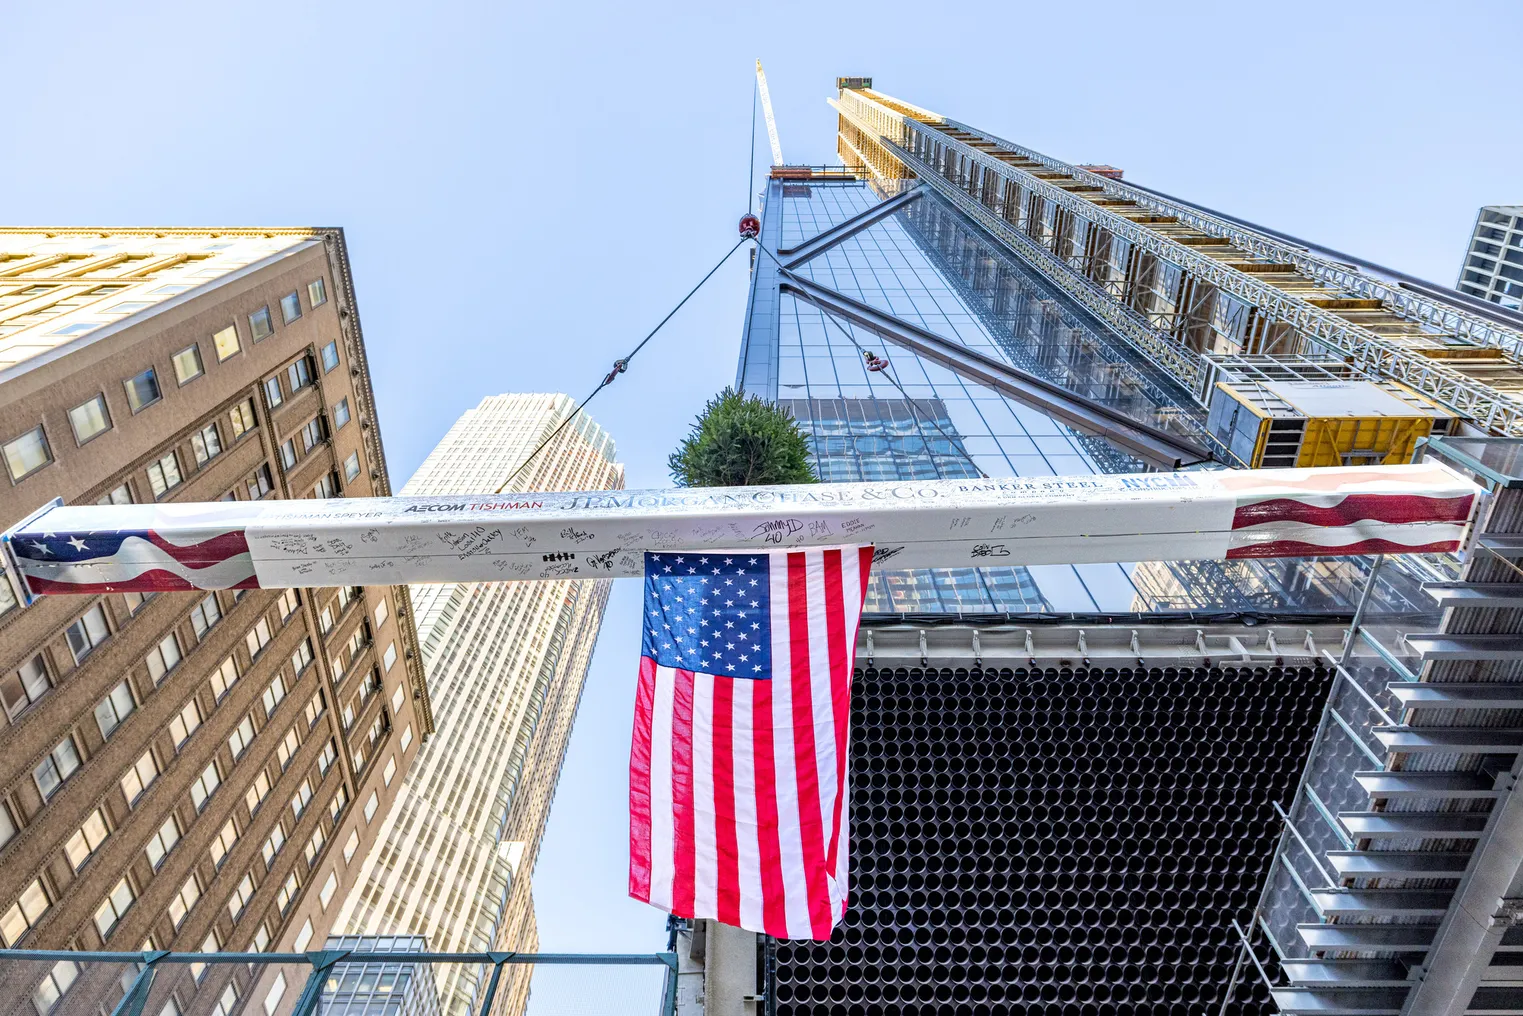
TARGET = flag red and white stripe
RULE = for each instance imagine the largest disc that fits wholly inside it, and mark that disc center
(737, 793)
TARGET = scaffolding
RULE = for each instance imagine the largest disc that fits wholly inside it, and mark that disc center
(1179, 282)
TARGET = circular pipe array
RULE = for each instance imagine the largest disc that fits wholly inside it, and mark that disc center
(1069, 841)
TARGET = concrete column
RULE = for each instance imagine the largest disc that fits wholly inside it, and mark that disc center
(729, 980)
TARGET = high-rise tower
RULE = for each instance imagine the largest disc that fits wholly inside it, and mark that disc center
(188, 771)
(1493, 268)
(506, 663)
(1064, 777)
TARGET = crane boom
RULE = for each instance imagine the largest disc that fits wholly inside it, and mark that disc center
(766, 101)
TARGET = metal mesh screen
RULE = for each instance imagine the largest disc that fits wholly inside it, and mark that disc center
(1055, 841)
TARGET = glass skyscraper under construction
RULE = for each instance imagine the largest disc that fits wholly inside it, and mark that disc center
(1064, 778)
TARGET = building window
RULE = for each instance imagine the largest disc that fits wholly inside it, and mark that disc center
(90, 419)
(341, 413)
(118, 495)
(224, 677)
(242, 418)
(288, 458)
(60, 978)
(330, 356)
(116, 904)
(302, 797)
(274, 694)
(164, 657)
(407, 737)
(317, 292)
(352, 466)
(312, 433)
(261, 483)
(301, 656)
(257, 638)
(27, 453)
(25, 685)
(87, 633)
(276, 993)
(142, 390)
(114, 708)
(225, 342)
(187, 364)
(140, 777)
(184, 723)
(24, 913)
(382, 612)
(242, 893)
(327, 758)
(397, 698)
(228, 1002)
(205, 786)
(272, 845)
(164, 474)
(163, 841)
(327, 486)
(290, 308)
(272, 391)
(389, 656)
(351, 845)
(7, 824)
(86, 839)
(183, 900)
(299, 375)
(242, 736)
(371, 805)
(288, 892)
(56, 767)
(260, 325)
(289, 600)
(286, 750)
(314, 710)
(389, 771)
(329, 888)
(204, 615)
(206, 443)
(257, 792)
(337, 803)
(222, 843)
(136, 601)
(304, 936)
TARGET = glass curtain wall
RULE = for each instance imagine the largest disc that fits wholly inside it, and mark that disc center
(928, 265)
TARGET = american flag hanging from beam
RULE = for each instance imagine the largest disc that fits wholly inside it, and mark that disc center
(737, 770)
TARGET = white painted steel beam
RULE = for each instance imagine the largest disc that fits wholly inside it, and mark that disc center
(604, 534)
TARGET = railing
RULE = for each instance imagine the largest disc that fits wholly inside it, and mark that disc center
(54, 982)
(1342, 746)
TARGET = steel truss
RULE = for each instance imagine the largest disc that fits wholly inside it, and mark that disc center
(969, 176)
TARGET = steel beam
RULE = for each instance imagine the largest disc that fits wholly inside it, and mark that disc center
(842, 231)
(1150, 444)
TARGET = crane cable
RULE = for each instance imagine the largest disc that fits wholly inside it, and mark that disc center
(619, 366)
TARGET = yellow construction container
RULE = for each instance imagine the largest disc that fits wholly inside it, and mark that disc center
(1344, 422)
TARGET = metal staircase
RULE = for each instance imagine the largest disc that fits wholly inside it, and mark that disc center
(1396, 889)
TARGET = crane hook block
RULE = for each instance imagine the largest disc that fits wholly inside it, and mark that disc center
(750, 226)
(874, 362)
(619, 367)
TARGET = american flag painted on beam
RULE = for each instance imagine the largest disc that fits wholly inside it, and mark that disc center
(737, 772)
(132, 560)
(1333, 513)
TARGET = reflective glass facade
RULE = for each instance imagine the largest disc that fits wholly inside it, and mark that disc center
(930, 266)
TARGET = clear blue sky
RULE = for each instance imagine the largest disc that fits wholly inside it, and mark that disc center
(526, 189)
